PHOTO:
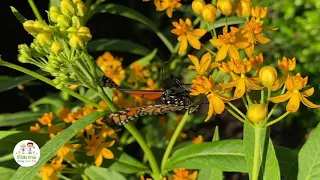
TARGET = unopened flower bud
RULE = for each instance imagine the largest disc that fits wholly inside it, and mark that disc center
(56, 47)
(76, 42)
(28, 26)
(257, 112)
(81, 8)
(44, 38)
(209, 13)
(225, 6)
(197, 6)
(84, 33)
(41, 26)
(23, 59)
(67, 7)
(72, 31)
(63, 21)
(76, 22)
(24, 50)
(53, 13)
(268, 76)
(243, 8)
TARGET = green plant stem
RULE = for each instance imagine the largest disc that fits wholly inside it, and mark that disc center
(235, 115)
(248, 99)
(269, 94)
(35, 10)
(146, 149)
(211, 32)
(275, 106)
(206, 48)
(262, 97)
(256, 155)
(237, 110)
(50, 82)
(173, 140)
(107, 100)
(245, 102)
(278, 119)
(165, 41)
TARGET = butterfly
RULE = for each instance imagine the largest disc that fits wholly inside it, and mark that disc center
(169, 100)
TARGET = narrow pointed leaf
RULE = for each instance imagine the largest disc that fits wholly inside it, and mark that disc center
(50, 149)
(288, 162)
(18, 15)
(94, 172)
(17, 118)
(145, 60)
(309, 157)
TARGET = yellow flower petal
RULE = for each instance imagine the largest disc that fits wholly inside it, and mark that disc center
(222, 53)
(281, 98)
(195, 61)
(183, 44)
(308, 92)
(218, 104)
(169, 12)
(308, 103)
(198, 32)
(294, 103)
(233, 52)
(249, 50)
(191, 67)
(216, 42)
(194, 42)
(205, 63)
(262, 39)
(98, 159)
(240, 89)
(106, 153)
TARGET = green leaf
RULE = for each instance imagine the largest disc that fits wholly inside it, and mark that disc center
(269, 168)
(17, 15)
(6, 173)
(132, 14)
(50, 149)
(309, 157)
(226, 155)
(125, 163)
(7, 83)
(214, 173)
(94, 172)
(288, 162)
(145, 60)
(231, 21)
(9, 139)
(17, 118)
(117, 45)
(53, 100)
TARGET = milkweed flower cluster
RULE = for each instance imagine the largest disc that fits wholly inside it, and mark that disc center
(246, 73)
(59, 47)
(98, 138)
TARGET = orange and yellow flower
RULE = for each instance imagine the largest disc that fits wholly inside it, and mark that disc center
(204, 65)
(203, 85)
(35, 128)
(197, 140)
(228, 43)
(98, 149)
(183, 174)
(49, 171)
(241, 82)
(65, 152)
(167, 5)
(186, 34)
(294, 85)
(112, 67)
(253, 32)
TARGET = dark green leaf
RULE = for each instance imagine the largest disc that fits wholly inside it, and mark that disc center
(53, 100)
(9, 139)
(309, 157)
(18, 15)
(269, 168)
(288, 162)
(94, 172)
(17, 118)
(117, 45)
(50, 149)
(226, 155)
(12, 82)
